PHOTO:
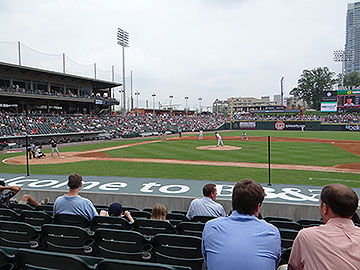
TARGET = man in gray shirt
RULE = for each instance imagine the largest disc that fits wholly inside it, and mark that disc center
(206, 206)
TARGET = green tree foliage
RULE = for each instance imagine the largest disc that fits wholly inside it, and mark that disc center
(353, 79)
(311, 85)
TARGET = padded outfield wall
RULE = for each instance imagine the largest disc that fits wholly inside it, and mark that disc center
(290, 125)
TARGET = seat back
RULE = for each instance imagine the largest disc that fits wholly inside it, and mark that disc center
(288, 233)
(121, 244)
(8, 214)
(178, 250)
(39, 260)
(128, 265)
(16, 234)
(202, 219)
(66, 238)
(110, 223)
(140, 214)
(286, 225)
(35, 218)
(153, 227)
(179, 212)
(190, 228)
(49, 209)
(18, 207)
(309, 222)
(270, 218)
(72, 220)
(176, 216)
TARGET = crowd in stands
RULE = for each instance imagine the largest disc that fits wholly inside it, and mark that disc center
(135, 124)
(117, 125)
(67, 93)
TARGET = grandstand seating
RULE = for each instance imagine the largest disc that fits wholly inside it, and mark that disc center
(17, 234)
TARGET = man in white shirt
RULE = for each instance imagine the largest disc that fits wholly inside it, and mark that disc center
(220, 141)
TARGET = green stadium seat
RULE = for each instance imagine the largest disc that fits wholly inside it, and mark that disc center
(190, 228)
(116, 223)
(153, 227)
(35, 218)
(121, 244)
(18, 235)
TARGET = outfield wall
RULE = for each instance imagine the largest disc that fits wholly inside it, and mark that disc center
(290, 125)
(295, 211)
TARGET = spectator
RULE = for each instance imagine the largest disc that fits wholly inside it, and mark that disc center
(207, 205)
(13, 190)
(72, 203)
(116, 210)
(242, 241)
(158, 212)
(334, 245)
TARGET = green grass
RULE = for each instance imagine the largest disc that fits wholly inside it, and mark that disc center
(282, 152)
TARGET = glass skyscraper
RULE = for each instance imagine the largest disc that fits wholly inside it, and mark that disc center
(352, 44)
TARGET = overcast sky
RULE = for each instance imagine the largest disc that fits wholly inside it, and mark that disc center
(197, 48)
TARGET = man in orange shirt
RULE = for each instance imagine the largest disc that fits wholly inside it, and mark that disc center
(334, 245)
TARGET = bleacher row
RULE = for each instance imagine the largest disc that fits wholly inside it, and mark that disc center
(176, 243)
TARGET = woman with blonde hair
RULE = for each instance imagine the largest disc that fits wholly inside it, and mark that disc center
(158, 212)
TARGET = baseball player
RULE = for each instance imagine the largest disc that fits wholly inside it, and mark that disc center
(54, 148)
(220, 141)
(244, 136)
(201, 134)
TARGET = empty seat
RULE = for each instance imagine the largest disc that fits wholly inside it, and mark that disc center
(116, 223)
(179, 212)
(18, 235)
(119, 244)
(35, 218)
(46, 207)
(73, 220)
(140, 214)
(202, 219)
(269, 218)
(66, 238)
(8, 214)
(128, 265)
(286, 224)
(152, 226)
(176, 216)
(309, 222)
(178, 250)
(18, 207)
(288, 233)
(190, 228)
(35, 259)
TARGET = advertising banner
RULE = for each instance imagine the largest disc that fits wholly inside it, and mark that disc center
(330, 106)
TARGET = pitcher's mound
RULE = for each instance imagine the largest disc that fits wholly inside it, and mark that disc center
(214, 147)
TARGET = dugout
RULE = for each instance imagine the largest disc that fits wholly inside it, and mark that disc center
(26, 88)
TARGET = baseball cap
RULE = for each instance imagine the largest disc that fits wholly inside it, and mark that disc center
(115, 209)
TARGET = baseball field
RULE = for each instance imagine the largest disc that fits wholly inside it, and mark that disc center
(301, 158)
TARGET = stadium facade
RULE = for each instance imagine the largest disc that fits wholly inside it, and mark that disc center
(36, 90)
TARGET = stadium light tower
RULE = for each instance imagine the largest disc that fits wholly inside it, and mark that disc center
(170, 102)
(153, 96)
(343, 56)
(137, 100)
(186, 103)
(200, 99)
(123, 41)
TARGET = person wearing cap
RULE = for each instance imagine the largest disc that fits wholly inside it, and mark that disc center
(13, 190)
(116, 210)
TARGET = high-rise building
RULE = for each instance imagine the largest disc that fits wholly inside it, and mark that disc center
(352, 44)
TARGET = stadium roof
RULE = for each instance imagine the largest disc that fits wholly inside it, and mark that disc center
(97, 84)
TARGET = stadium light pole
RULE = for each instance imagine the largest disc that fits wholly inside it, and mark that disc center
(186, 103)
(343, 56)
(137, 100)
(170, 101)
(153, 96)
(123, 41)
(200, 99)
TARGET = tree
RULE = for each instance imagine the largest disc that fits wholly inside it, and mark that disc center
(311, 85)
(353, 79)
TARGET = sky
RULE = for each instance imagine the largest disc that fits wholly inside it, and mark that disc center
(209, 49)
